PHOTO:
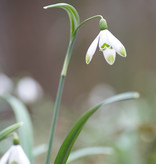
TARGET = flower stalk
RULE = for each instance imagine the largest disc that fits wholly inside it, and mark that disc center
(74, 27)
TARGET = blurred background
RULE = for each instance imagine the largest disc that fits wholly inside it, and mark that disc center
(33, 43)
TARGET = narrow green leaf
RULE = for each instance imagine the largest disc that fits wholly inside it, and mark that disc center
(89, 151)
(7, 131)
(22, 115)
(69, 141)
(72, 13)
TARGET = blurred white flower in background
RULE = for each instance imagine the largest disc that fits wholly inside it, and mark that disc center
(129, 118)
(29, 90)
(99, 93)
(6, 85)
(15, 155)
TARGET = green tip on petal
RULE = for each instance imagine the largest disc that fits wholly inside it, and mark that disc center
(110, 59)
(14, 162)
(88, 59)
(123, 52)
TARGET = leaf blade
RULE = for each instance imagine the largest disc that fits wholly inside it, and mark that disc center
(22, 115)
(72, 13)
(70, 139)
(7, 131)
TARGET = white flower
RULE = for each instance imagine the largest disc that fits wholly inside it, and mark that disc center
(6, 84)
(29, 90)
(108, 44)
(15, 155)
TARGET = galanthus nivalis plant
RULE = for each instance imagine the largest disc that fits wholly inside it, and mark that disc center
(15, 154)
(109, 45)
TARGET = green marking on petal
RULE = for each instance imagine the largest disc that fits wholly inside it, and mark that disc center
(123, 52)
(105, 45)
(87, 59)
(110, 59)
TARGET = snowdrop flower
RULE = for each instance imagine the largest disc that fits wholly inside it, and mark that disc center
(6, 84)
(29, 90)
(108, 44)
(15, 155)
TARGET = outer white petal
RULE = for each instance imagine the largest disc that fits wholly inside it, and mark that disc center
(17, 155)
(109, 55)
(5, 157)
(103, 39)
(116, 44)
(91, 50)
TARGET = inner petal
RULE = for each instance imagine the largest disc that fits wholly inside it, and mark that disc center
(109, 55)
(110, 59)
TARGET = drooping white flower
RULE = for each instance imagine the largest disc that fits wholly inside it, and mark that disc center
(108, 44)
(15, 155)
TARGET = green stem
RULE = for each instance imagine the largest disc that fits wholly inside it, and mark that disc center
(58, 99)
(86, 20)
(68, 56)
(60, 88)
(54, 118)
